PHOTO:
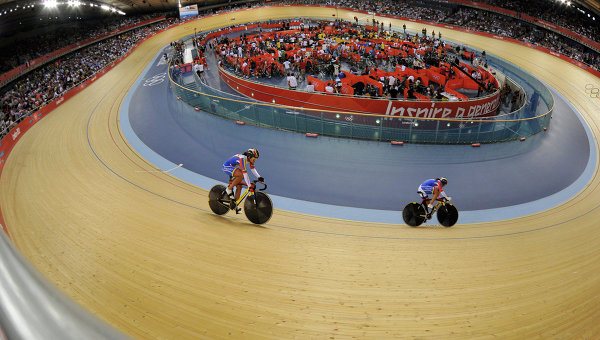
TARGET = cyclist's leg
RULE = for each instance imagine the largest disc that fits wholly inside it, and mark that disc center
(424, 198)
(424, 202)
(229, 170)
(238, 177)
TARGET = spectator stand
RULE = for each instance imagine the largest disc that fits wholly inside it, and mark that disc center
(21, 70)
(252, 48)
(53, 81)
(556, 28)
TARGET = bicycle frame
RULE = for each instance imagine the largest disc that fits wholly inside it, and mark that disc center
(249, 192)
(435, 208)
(439, 202)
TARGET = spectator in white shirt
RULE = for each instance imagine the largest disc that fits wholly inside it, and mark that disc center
(292, 81)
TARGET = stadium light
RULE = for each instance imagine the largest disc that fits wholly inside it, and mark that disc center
(50, 3)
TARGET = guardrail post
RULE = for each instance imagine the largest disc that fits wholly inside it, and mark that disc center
(296, 122)
(322, 123)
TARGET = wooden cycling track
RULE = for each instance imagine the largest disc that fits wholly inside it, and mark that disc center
(155, 269)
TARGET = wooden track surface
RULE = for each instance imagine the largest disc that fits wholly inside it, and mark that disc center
(116, 240)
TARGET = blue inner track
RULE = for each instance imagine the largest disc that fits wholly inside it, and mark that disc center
(362, 180)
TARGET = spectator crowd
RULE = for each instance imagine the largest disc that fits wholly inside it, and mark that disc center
(377, 63)
(47, 83)
(22, 51)
(557, 13)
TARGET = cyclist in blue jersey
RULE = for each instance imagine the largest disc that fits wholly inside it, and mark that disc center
(236, 168)
(435, 187)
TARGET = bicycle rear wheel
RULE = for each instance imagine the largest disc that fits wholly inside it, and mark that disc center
(217, 200)
(414, 214)
(258, 208)
(447, 215)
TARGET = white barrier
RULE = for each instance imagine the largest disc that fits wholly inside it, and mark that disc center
(32, 308)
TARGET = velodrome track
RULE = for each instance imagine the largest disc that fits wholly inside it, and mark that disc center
(77, 205)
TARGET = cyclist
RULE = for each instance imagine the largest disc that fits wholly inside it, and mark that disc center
(432, 186)
(236, 168)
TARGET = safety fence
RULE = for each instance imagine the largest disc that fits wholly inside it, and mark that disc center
(415, 127)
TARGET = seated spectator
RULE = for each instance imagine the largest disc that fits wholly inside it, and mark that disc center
(394, 92)
(292, 81)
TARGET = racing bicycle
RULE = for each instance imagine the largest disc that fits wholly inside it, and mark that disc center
(414, 214)
(258, 206)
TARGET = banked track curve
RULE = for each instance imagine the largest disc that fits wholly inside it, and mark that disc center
(140, 250)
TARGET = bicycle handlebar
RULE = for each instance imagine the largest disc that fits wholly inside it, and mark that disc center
(439, 199)
(254, 184)
(263, 183)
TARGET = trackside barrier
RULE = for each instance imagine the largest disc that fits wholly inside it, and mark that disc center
(522, 123)
(534, 116)
(530, 119)
(32, 308)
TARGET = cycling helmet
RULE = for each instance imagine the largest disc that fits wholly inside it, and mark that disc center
(252, 153)
(443, 180)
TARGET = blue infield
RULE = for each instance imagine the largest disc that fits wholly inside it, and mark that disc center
(362, 180)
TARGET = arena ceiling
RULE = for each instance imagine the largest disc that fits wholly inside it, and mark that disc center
(25, 16)
(132, 6)
(20, 15)
(129, 6)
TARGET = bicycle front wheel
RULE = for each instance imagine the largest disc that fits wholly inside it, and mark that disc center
(447, 215)
(258, 208)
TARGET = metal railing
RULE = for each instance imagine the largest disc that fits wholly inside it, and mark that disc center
(530, 119)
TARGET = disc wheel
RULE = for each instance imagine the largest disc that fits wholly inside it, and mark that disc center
(217, 200)
(447, 215)
(413, 214)
(259, 208)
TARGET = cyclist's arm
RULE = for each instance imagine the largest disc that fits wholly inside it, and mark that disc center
(246, 178)
(436, 193)
(254, 172)
(244, 164)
